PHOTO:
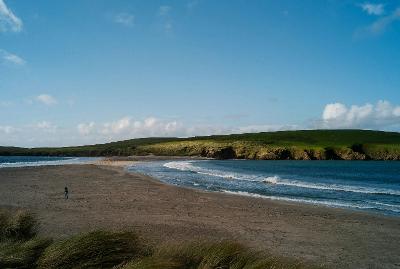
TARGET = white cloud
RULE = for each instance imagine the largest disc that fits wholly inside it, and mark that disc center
(192, 4)
(46, 126)
(86, 128)
(118, 126)
(125, 19)
(382, 23)
(7, 129)
(264, 128)
(164, 13)
(8, 57)
(5, 103)
(164, 10)
(8, 20)
(46, 99)
(373, 9)
(381, 115)
(168, 26)
(41, 133)
(334, 111)
(126, 127)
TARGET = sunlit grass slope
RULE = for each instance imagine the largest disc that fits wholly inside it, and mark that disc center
(298, 145)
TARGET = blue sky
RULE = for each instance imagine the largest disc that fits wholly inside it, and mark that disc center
(88, 71)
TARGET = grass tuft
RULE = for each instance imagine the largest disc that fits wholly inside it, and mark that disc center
(222, 255)
(4, 220)
(22, 254)
(98, 249)
(20, 226)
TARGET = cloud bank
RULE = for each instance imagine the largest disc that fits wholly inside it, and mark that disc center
(127, 127)
(382, 115)
(47, 133)
(379, 116)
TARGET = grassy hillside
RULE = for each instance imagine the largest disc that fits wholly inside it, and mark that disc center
(299, 145)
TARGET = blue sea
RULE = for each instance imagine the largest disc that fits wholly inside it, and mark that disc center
(358, 185)
(22, 161)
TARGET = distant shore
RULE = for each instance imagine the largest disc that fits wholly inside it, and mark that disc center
(281, 145)
(103, 195)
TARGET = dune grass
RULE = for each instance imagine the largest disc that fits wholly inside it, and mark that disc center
(21, 248)
(216, 255)
(22, 254)
(98, 249)
(18, 226)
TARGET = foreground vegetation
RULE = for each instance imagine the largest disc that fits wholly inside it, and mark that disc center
(293, 145)
(20, 247)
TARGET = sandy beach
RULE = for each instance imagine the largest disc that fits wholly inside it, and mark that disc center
(105, 196)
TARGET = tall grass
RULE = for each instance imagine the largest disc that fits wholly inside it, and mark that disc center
(98, 249)
(19, 226)
(19, 247)
(22, 254)
(222, 255)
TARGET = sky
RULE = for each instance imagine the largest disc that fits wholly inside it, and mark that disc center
(76, 72)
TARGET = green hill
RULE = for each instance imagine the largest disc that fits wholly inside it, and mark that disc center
(296, 145)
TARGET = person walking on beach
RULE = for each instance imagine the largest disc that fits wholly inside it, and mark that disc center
(66, 192)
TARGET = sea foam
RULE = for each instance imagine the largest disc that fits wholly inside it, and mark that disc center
(38, 162)
(276, 180)
(302, 200)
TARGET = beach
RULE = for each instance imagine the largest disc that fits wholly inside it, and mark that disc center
(104, 195)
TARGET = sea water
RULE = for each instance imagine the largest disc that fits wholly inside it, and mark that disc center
(22, 161)
(360, 185)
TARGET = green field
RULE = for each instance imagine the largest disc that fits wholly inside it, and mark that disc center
(291, 145)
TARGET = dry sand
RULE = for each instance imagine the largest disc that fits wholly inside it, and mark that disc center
(108, 197)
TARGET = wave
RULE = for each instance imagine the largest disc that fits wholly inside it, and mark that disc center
(331, 187)
(276, 180)
(300, 200)
(189, 167)
(271, 180)
(390, 207)
(34, 163)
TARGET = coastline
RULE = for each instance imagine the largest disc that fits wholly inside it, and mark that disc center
(104, 195)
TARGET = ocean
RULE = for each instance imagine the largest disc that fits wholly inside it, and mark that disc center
(22, 161)
(372, 186)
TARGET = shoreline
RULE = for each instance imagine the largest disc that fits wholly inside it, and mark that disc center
(109, 197)
(124, 163)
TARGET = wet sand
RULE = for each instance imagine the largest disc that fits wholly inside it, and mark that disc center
(105, 196)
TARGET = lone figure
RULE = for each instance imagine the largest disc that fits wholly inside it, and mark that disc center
(66, 192)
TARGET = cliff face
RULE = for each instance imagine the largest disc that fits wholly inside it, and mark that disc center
(289, 154)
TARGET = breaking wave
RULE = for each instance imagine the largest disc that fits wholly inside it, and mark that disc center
(7, 162)
(301, 200)
(188, 166)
